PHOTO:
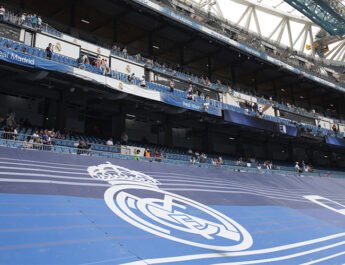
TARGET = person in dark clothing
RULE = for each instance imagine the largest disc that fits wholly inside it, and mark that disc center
(49, 51)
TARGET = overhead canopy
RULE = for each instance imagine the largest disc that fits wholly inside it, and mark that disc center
(330, 15)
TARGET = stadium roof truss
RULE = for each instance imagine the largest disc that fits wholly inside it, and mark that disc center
(276, 22)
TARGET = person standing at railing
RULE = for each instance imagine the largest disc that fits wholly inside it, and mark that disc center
(22, 19)
(171, 86)
(142, 82)
(125, 53)
(49, 51)
(137, 154)
(2, 13)
(28, 143)
(130, 78)
(34, 21)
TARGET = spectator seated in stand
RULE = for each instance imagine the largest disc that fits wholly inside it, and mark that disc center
(104, 67)
(309, 168)
(46, 140)
(142, 81)
(190, 92)
(147, 153)
(171, 86)
(298, 169)
(206, 106)
(240, 162)
(131, 78)
(85, 59)
(28, 143)
(2, 13)
(335, 128)
(83, 147)
(110, 142)
(219, 161)
(259, 112)
(202, 158)
(192, 160)
(125, 53)
(137, 154)
(268, 165)
(158, 156)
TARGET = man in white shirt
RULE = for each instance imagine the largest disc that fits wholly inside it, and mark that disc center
(39, 22)
(110, 142)
(22, 19)
(142, 81)
(298, 168)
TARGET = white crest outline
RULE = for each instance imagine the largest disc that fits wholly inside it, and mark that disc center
(138, 222)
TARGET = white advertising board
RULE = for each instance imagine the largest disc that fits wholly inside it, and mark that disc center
(124, 66)
(131, 150)
(60, 46)
(88, 47)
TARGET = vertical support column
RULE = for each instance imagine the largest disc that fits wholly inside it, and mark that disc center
(115, 30)
(309, 99)
(45, 117)
(207, 139)
(168, 133)
(182, 57)
(292, 95)
(239, 147)
(275, 90)
(233, 76)
(61, 110)
(291, 154)
(150, 44)
(276, 97)
(49, 117)
(340, 106)
(118, 124)
(255, 82)
(268, 153)
(22, 4)
(309, 153)
(209, 67)
(72, 15)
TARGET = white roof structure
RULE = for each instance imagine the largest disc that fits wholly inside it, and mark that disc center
(275, 21)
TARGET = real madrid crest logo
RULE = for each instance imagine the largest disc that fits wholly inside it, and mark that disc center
(137, 199)
(58, 47)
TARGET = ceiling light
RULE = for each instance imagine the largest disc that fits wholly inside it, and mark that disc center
(85, 21)
(301, 97)
(231, 138)
(130, 115)
(155, 47)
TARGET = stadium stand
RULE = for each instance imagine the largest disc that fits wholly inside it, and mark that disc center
(124, 77)
(140, 132)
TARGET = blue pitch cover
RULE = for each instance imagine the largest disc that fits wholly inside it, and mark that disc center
(70, 209)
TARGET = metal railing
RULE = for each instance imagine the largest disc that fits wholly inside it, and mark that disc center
(10, 141)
